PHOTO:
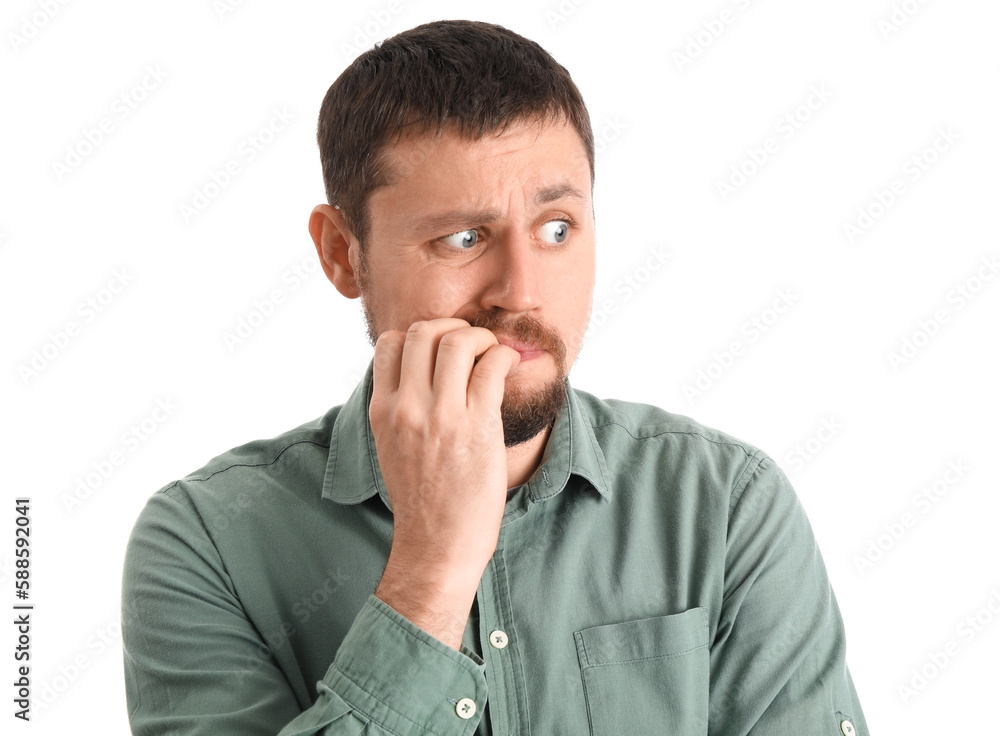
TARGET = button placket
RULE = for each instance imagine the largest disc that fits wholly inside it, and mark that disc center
(507, 707)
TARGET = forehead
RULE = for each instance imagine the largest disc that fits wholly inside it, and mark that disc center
(527, 161)
(425, 155)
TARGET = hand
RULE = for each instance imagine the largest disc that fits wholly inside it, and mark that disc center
(435, 415)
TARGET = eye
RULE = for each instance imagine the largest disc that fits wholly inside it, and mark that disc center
(462, 240)
(559, 230)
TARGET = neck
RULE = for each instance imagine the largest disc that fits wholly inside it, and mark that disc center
(524, 459)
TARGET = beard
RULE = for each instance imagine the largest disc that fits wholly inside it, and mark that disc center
(525, 411)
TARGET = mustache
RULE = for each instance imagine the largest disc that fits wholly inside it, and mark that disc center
(524, 329)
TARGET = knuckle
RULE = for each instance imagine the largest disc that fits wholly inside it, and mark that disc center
(389, 337)
(438, 420)
(451, 341)
(382, 361)
(504, 355)
(378, 410)
(420, 328)
(486, 370)
(389, 342)
(405, 416)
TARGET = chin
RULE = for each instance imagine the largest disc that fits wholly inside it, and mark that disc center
(529, 408)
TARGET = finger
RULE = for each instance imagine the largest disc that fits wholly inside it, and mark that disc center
(419, 352)
(386, 367)
(456, 354)
(487, 382)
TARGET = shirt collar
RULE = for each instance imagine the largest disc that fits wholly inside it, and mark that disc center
(353, 474)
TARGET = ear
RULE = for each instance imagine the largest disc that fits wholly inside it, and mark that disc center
(337, 248)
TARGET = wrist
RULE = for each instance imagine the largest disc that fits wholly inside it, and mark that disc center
(437, 603)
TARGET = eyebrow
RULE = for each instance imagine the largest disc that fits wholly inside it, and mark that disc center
(457, 218)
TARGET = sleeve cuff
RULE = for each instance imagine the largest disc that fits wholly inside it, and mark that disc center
(394, 673)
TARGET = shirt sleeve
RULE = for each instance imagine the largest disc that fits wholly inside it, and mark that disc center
(778, 661)
(196, 664)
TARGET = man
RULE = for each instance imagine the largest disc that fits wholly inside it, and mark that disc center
(469, 545)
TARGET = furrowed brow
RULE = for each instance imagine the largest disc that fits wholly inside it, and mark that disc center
(555, 192)
(456, 219)
(451, 221)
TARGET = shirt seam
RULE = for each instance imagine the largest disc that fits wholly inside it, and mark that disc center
(740, 486)
(677, 431)
(187, 507)
(644, 659)
(415, 636)
(371, 718)
(272, 461)
(183, 500)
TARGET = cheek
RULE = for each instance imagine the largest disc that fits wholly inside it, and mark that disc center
(577, 297)
(409, 291)
(580, 284)
(436, 297)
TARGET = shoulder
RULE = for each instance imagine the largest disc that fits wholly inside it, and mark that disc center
(294, 458)
(631, 433)
(642, 422)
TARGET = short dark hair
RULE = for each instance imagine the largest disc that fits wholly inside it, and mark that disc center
(475, 77)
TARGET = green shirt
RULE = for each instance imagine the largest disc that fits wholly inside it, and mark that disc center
(653, 576)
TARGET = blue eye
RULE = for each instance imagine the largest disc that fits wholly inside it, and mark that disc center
(465, 242)
(560, 232)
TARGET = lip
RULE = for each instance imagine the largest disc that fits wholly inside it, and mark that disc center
(527, 350)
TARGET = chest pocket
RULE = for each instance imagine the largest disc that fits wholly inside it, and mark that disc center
(648, 676)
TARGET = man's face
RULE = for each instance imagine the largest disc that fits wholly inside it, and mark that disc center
(498, 232)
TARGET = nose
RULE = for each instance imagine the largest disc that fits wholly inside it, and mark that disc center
(515, 275)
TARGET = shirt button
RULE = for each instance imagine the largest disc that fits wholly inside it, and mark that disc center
(466, 708)
(847, 727)
(498, 639)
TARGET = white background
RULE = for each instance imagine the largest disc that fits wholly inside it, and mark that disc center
(671, 130)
